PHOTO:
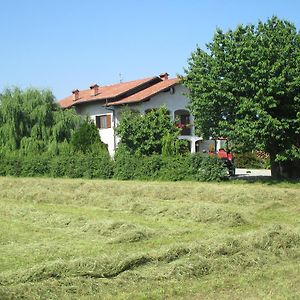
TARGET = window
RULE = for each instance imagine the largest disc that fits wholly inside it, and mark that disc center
(103, 121)
(182, 119)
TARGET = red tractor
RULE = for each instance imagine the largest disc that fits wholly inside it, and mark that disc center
(217, 148)
(228, 160)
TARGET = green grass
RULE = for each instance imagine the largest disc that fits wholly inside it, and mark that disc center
(88, 239)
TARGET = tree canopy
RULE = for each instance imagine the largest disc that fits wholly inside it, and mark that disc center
(86, 139)
(152, 133)
(246, 87)
(31, 121)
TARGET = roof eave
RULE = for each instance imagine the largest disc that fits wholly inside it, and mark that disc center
(145, 98)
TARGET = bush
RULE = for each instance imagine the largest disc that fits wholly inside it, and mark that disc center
(194, 162)
(149, 167)
(82, 165)
(97, 166)
(86, 138)
(59, 165)
(150, 133)
(11, 164)
(250, 160)
(211, 169)
(174, 168)
(35, 165)
(126, 164)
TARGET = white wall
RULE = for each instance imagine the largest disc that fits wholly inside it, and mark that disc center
(173, 102)
(95, 109)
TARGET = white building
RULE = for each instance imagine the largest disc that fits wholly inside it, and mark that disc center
(104, 105)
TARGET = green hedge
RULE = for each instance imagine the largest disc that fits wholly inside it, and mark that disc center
(77, 165)
(125, 166)
(82, 166)
(251, 160)
(173, 168)
(11, 165)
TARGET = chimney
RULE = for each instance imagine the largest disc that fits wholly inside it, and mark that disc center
(164, 76)
(75, 94)
(94, 89)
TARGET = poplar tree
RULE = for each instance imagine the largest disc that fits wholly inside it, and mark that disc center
(246, 86)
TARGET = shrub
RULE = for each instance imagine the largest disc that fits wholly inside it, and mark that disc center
(82, 165)
(59, 165)
(174, 168)
(86, 137)
(97, 166)
(250, 160)
(149, 167)
(35, 165)
(211, 169)
(148, 134)
(11, 164)
(126, 164)
(2, 164)
(16, 164)
(194, 162)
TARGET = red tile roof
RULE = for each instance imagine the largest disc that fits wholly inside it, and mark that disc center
(122, 93)
(148, 92)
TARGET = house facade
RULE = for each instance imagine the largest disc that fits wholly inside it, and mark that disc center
(104, 105)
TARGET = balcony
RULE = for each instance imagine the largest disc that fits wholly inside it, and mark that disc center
(182, 119)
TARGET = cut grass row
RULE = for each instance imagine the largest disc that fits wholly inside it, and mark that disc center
(88, 239)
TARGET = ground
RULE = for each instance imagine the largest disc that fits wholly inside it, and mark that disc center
(250, 173)
(92, 239)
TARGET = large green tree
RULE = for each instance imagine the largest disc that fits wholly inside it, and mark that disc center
(246, 86)
(31, 121)
(152, 133)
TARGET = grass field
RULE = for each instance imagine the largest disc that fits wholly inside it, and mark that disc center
(84, 239)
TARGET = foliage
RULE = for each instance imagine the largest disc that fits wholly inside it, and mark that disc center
(11, 164)
(86, 138)
(175, 168)
(149, 167)
(211, 169)
(34, 166)
(247, 88)
(82, 165)
(31, 120)
(128, 166)
(38, 138)
(76, 165)
(150, 133)
(250, 160)
(125, 164)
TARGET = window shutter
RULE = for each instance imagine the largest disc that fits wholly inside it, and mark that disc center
(108, 121)
(98, 122)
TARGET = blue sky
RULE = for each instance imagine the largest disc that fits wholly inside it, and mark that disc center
(68, 44)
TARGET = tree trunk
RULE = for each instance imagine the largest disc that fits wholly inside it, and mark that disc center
(275, 167)
(289, 169)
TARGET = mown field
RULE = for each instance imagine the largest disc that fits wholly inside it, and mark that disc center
(85, 239)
